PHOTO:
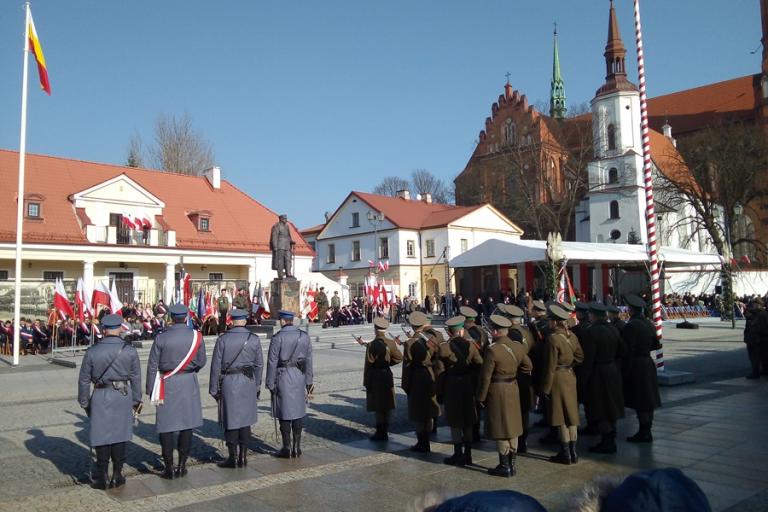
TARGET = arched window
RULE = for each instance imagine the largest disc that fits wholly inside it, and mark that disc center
(510, 132)
(614, 209)
(613, 175)
(611, 136)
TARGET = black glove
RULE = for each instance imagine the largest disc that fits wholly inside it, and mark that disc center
(258, 394)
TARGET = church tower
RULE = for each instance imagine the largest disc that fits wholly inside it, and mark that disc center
(557, 107)
(616, 196)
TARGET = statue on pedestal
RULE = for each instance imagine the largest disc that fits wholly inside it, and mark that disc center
(281, 244)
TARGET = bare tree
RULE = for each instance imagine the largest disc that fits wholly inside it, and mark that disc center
(390, 185)
(178, 147)
(135, 156)
(424, 182)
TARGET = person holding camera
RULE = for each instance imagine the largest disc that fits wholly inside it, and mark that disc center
(112, 366)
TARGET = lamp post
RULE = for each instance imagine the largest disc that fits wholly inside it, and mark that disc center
(729, 301)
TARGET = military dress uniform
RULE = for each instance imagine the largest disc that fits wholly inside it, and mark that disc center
(613, 317)
(289, 380)
(752, 337)
(523, 335)
(503, 362)
(641, 385)
(582, 376)
(604, 387)
(112, 366)
(380, 355)
(480, 338)
(560, 383)
(418, 379)
(322, 306)
(458, 365)
(179, 408)
(236, 371)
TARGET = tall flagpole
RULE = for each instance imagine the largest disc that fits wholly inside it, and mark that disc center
(650, 214)
(20, 197)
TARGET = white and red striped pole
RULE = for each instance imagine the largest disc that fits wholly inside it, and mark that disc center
(650, 214)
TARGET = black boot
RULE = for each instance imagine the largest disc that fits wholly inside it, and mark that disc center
(522, 443)
(181, 469)
(457, 459)
(296, 449)
(563, 456)
(379, 435)
(503, 469)
(230, 461)
(643, 435)
(511, 459)
(118, 480)
(285, 433)
(422, 443)
(467, 454)
(607, 444)
(572, 451)
(100, 479)
(118, 459)
(168, 470)
(184, 445)
(242, 458)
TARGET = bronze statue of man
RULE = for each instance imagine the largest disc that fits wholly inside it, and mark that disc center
(281, 244)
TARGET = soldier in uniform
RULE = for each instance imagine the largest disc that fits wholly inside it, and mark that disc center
(281, 244)
(418, 380)
(380, 355)
(176, 356)
(322, 306)
(641, 386)
(604, 387)
(240, 301)
(521, 334)
(289, 381)
(112, 366)
(336, 308)
(236, 369)
(614, 317)
(582, 376)
(752, 337)
(560, 383)
(458, 363)
(480, 338)
(503, 362)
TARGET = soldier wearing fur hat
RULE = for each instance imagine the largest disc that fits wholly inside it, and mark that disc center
(112, 366)
(604, 383)
(641, 387)
(560, 383)
(498, 390)
(380, 354)
(419, 378)
(458, 362)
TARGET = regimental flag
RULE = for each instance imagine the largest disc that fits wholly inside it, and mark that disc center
(37, 51)
(101, 295)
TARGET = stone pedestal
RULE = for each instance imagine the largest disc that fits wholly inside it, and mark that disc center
(285, 294)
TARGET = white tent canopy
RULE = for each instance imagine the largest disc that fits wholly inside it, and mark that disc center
(498, 252)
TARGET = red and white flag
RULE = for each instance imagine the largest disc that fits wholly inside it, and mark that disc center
(186, 289)
(61, 302)
(101, 295)
(384, 266)
(80, 301)
(114, 300)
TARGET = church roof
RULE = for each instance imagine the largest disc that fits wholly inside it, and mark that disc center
(238, 222)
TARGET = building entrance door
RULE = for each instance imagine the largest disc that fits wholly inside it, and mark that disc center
(123, 285)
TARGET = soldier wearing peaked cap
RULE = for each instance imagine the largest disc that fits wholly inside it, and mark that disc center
(521, 334)
(419, 378)
(582, 377)
(380, 354)
(176, 356)
(641, 386)
(112, 366)
(604, 383)
(236, 370)
(480, 338)
(458, 363)
(290, 381)
(614, 317)
(503, 362)
(560, 383)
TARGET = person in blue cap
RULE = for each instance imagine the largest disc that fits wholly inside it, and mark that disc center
(176, 356)
(289, 381)
(236, 370)
(112, 366)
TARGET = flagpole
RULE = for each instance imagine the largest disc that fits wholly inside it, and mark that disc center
(20, 196)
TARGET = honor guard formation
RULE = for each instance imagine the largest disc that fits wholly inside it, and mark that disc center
(483, 377)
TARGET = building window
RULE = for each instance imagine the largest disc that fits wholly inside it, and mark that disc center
(430, 248)
(383, 247)
(614, 209)
(205, 224)
(410, 249)
(464, 244)
(355, 250)
(3, 275)
(411, 289)
(33, 210)
(52, 275)
(615, 235)
(611, 137)
(331, 253)
(510, 133)
(613, 175)
(313, 245)
(215, 276)
(355, 220)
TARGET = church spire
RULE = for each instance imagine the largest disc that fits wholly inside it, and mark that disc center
(615, 53)
(557, 107)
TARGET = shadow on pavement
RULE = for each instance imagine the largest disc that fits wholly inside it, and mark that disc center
(66, 455)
